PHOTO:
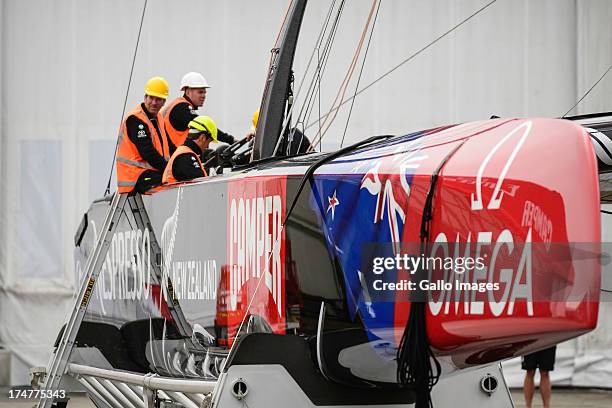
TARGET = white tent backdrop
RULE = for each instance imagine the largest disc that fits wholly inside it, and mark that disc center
(587, 360)
(64, 69)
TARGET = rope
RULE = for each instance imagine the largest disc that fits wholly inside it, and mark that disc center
(305, 178)
(588, 92)
(414, 355)
(327, 122)
(407, 59)
(320, 66)
(275, 49)
(127, 91)
(280, 29)
(360, 73)
(319, 105)
(326, 53)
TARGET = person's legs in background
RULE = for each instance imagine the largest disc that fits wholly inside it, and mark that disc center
(529, 387)
(545, 388)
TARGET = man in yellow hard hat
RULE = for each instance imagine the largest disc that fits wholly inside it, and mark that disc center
(185, 163)
(182, 110)
(143, 146)
(254, 120)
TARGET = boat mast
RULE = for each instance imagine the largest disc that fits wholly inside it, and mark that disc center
(274, 101)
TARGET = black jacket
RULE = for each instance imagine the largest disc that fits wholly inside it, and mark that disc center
(186, 166)
(183, 113)
(138, 132)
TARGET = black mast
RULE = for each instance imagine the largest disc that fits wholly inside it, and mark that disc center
(274, 101)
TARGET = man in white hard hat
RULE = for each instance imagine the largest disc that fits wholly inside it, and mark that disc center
(182, 110)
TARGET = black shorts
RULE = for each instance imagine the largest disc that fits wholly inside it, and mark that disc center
(543, 359)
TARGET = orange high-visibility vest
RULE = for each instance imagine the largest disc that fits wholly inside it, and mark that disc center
(168, 177)
(176, 136)
(130, 165)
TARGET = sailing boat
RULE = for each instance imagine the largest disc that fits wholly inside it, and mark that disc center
(349, 278)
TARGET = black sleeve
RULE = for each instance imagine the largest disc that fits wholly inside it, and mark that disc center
(225, 137)
(138, 132)
(181, 115)
(186, 167)
(171, 146)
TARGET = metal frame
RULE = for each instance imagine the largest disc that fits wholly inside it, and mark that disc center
(58, 364)
(59, 360)
(117, 389)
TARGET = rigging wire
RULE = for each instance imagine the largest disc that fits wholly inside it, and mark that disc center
(310, 92)
(276, 242)
(588, 92)
(314, 88)
(411, 57)
(359, 77)
(327, 122)
(319, 100)
(309, 172)
(317, 91)
(260, 279)
(127, 92)
(320, 68)
(323, 66)
(275, 49)
(280, 29)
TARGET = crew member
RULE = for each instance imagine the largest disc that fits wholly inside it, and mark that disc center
(545, 361)
(295, 142)
(182, 110)
(185, 163)
(254, 120)
(143, 147)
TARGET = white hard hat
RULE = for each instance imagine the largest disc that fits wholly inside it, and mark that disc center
(193, 80)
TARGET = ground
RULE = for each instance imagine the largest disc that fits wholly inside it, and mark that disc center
(566, 398)
(562, 398)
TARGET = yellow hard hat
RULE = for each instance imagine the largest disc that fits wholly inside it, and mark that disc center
(203, 124)
(158, 87)
(255, 118)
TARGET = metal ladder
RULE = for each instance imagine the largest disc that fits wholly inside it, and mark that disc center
(143, 222)
(59, 361)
